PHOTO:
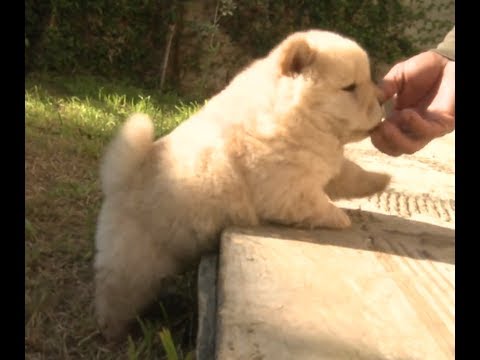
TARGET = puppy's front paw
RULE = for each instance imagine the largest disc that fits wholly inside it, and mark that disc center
(376, 182)
(336, 218)
(341, 220)
(355, 182)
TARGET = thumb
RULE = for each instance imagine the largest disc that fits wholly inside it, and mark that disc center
(392, 82)
(388, 89)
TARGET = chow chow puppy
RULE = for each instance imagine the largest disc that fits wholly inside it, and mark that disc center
(268, 148)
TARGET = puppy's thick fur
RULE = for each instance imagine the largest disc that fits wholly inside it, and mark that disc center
(267, 148)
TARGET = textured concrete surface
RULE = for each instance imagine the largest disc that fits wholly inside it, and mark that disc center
(384, 289)
(423, 184)
(286, 294)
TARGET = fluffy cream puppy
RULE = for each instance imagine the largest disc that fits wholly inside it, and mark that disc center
(268, 148)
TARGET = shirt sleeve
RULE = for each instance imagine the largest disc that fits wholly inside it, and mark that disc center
(447, 46)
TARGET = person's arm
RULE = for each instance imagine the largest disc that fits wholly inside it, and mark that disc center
(447, 46)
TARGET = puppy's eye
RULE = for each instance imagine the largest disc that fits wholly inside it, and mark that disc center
(350, 87)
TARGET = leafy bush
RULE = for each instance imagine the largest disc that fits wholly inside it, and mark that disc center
(127, 38)
(104, 37)
(379, 26)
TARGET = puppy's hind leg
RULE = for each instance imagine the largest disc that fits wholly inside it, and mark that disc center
(355, 182)
(128, 275)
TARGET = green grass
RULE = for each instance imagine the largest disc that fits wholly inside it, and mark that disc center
(69, 121)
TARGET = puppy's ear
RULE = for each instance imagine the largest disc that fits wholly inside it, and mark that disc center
(295, 56)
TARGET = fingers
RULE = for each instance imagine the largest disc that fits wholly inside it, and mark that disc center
(391, 141)
(404, 133)
(413, 79)
(392, 83)
(411, 124)
(444, 100)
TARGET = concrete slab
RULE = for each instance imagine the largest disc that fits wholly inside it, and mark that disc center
(356, 294)
(384, 289)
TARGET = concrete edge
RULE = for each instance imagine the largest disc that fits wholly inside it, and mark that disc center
(207, 306)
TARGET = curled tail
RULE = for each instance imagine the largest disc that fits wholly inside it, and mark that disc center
(126, 152)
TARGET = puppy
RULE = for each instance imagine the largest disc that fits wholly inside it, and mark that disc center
(268, 148)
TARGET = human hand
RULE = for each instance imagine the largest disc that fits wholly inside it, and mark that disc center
(424, 105)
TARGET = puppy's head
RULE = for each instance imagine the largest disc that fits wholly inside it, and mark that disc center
(334, 87)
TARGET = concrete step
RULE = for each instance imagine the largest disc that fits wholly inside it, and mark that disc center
(384, 289)
(357, 294)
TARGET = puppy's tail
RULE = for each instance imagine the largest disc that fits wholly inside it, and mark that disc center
(126, 152)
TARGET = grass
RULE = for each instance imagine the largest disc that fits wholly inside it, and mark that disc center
(69, 120)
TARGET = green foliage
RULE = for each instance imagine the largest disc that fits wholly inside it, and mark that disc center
(148, 347)
(127, 39)
(379, 26)
(103, 37)
(429, 28)
(170, 349)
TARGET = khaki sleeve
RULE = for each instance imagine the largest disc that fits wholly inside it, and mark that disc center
(447, 46)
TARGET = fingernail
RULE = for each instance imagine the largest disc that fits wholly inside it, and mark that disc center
(387, 107)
